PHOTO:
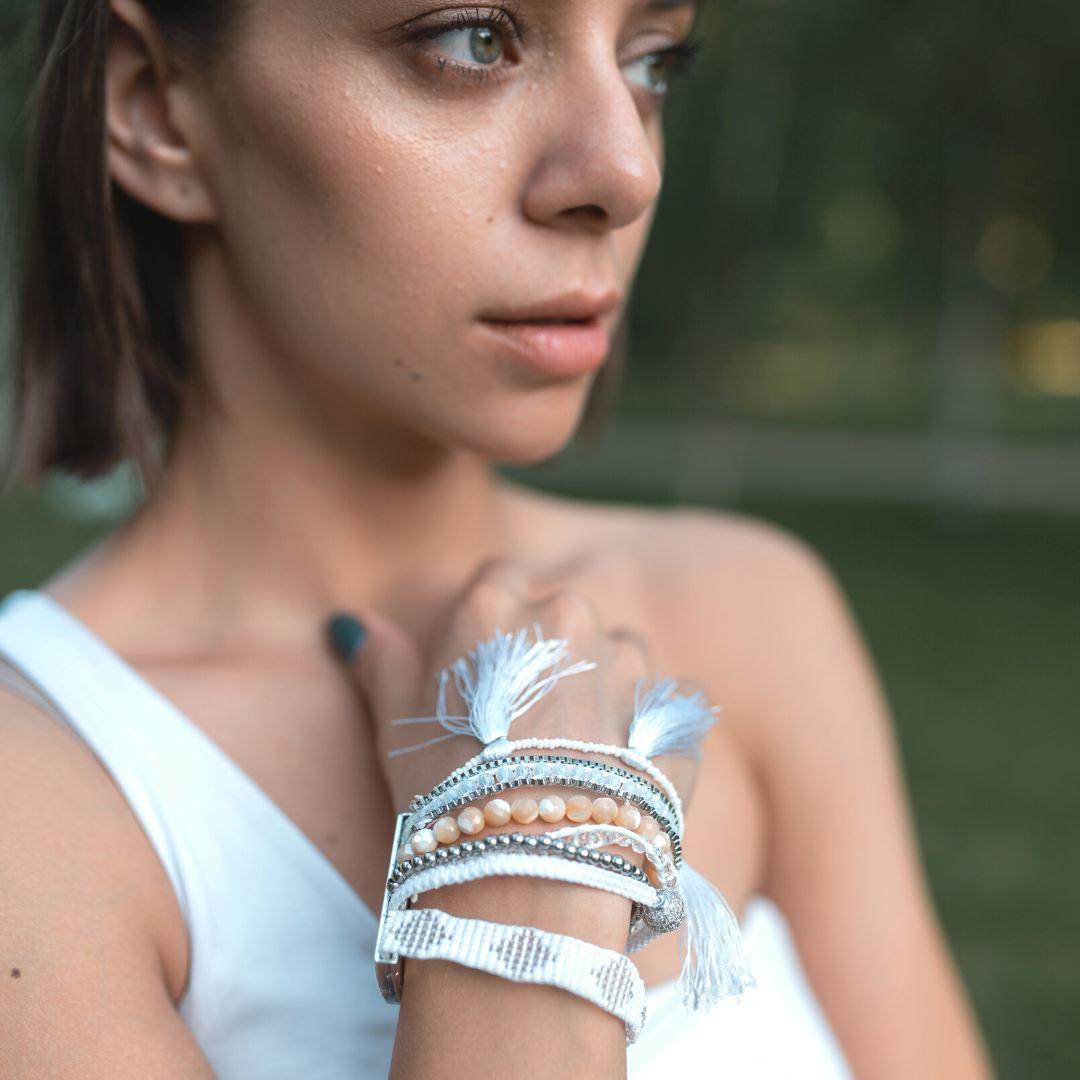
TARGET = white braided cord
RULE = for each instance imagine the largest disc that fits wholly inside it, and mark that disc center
(521, 864)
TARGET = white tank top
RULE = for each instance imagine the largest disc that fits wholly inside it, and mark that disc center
(281, 981)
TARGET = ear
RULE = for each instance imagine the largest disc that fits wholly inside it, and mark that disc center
(150, 110)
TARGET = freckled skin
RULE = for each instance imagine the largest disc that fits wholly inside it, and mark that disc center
(372, 204)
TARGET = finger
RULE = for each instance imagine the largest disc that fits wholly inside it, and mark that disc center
(498, 573)
(493, 598)
(383, 662)
(568, 613)
(631, 650)
(629, 669)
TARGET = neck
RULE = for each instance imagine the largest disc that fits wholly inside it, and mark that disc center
(285, 500)
(261, 528)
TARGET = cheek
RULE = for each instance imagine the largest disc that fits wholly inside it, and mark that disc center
(360, 222)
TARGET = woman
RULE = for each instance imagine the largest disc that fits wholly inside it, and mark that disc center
(313, 251)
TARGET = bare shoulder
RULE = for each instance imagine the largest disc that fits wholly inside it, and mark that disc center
(739, 604)
(83, 909)
(745, 555)
(694, 564)
(686, 542)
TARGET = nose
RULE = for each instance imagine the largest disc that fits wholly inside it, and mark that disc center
(596, 163)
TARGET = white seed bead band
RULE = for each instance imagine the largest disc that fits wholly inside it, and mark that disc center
(522, 954)
(520, 864)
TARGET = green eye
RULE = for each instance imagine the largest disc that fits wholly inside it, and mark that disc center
(653, 72)
(656, 68)
(474, 44)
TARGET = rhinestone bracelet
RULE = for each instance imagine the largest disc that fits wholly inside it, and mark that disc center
(546, 770)
(542, 844)
(670, 909)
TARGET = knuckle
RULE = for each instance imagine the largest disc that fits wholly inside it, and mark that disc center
(489, 601)
(630, 642)
(570, 609)
(631, 653)
(494, 570)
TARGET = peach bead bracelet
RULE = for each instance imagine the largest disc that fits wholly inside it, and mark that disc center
(578, 809)
(504, 747)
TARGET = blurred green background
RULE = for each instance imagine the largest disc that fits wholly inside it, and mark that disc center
(859, 316)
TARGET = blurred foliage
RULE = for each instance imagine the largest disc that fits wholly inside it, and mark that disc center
(861, 196)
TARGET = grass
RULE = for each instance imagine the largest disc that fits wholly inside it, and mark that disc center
(975, 627)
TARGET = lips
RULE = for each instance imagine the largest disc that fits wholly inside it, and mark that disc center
(555, 348)
(561, 336)
(577, 307)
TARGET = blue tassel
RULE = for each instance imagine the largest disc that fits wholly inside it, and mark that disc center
(715, 965)
(663, 724)
(498, 680)
(711, 945)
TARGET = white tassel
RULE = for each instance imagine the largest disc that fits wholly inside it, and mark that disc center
(663, 724)
(508, 679)
(715, 965)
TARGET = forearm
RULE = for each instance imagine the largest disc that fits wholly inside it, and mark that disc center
(455, 1021)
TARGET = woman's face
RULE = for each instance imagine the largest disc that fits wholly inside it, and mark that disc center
(386, 172)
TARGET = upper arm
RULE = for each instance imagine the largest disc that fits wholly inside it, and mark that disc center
(842, 858)
(82, 988)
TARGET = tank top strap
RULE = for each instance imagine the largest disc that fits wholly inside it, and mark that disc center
(12, 679)
(56, 665)
(280, 981)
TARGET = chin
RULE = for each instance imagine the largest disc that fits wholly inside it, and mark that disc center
(529, 435)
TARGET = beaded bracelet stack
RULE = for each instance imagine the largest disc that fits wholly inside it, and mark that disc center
(429, 851)
(578, 809)
(547, 770)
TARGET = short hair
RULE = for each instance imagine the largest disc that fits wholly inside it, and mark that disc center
(102, 349)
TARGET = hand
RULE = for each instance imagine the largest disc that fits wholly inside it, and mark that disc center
(594, 705)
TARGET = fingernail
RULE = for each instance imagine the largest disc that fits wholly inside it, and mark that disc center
(345, 635)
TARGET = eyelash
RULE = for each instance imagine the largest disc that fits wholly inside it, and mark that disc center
(676, 60)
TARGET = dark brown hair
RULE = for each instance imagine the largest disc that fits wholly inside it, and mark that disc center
(102, 351)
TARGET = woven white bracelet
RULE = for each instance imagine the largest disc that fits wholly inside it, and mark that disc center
(522, 954)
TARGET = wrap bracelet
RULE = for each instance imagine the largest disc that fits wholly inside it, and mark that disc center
(655, 910)
(542, 844)
(499, 862)
(578, 809)
(545, 770)
(503, 748)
